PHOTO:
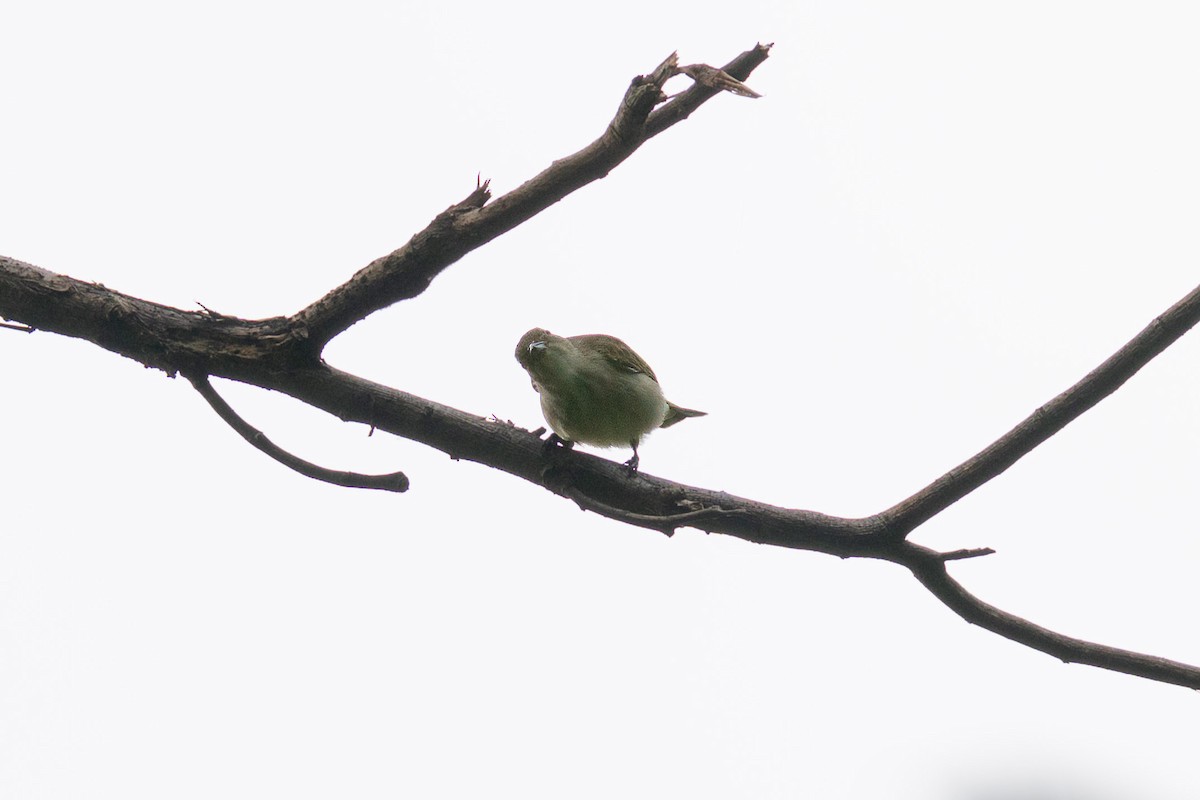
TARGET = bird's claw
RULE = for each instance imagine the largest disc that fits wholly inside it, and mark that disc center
(554, 440)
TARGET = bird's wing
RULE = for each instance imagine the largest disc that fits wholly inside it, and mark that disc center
(616, 352)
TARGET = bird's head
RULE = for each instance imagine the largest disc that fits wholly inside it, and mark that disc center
(534, 346)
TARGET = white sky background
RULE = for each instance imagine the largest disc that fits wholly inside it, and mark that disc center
(939, 216)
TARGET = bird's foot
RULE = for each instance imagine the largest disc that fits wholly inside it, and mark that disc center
(631, 466)
(556, 470)
(553, 440)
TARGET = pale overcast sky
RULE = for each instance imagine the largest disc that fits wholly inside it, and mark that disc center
(940, 215)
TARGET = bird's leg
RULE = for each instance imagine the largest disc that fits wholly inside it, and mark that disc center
(631, 466)
(553, 458)
(556, 469)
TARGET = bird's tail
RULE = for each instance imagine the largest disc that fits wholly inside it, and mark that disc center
(676, 413)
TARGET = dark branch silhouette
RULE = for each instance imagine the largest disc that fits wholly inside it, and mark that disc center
(466, 225)
(714, 78)
(392, 482)
(283, 354)
(1046, 421)
(928, 567)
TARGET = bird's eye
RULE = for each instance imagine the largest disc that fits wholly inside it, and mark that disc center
(536, 346)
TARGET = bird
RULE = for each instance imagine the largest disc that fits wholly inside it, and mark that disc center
(596, 390)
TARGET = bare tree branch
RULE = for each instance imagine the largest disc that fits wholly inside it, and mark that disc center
(717, 79)
(464, 226)
(1048, 420)
(929, 568)
(155, 335)
(663, 523)
(281, 354)
(683, 104)
(973, 552)
(392, 482)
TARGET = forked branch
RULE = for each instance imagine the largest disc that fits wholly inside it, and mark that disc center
(281, 354)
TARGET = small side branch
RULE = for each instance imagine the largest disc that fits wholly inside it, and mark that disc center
(393, 482)
(958, 555)
(21, 328)
(929, 567)
(719, 79)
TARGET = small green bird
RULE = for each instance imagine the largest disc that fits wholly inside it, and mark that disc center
(595, 390)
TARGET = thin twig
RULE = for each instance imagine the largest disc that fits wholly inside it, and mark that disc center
(958, 555)
(393, 482)
(22, 328)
